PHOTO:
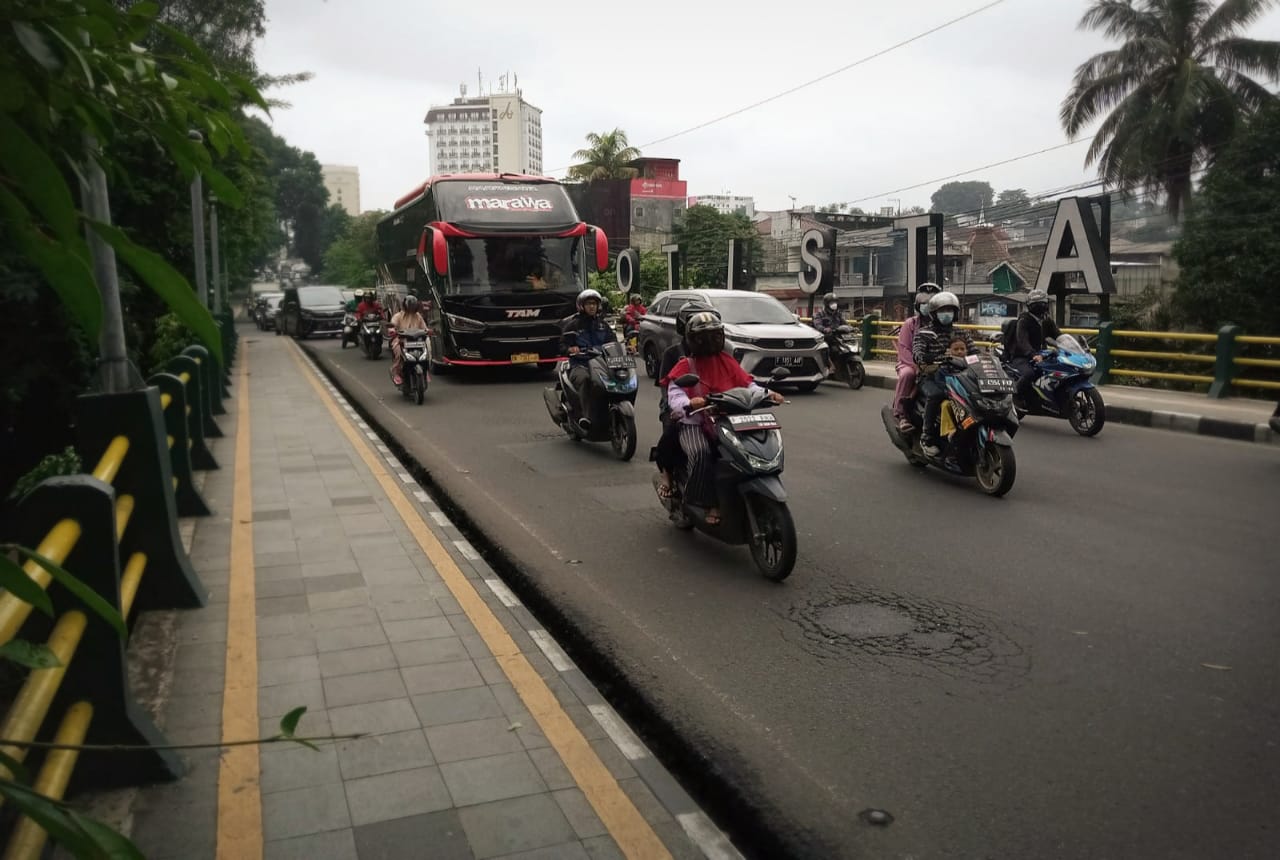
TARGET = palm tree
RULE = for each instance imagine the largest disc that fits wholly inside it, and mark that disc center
(608, 156)
(1173, 93)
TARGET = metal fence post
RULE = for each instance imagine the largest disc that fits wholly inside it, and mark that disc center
(211, 377)
(1225, 364)
(868, 337)
(1102, 352)
(185, 455)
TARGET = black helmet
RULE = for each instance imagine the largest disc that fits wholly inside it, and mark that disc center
(1038, 302)
(705, 333)
(411, 303)
(687, 310)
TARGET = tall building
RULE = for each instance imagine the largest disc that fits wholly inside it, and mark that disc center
(727, 204)
(343, 182)
(495, 133)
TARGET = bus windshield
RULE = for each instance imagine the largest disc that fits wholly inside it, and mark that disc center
(514, 264)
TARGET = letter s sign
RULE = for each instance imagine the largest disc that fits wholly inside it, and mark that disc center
(817, 270)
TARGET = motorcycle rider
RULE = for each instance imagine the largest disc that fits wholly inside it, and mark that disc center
(668, 455)
(408, 319)
(907, 370)
(585, 330)
(369, 304)
(828, 320)
(930, 348)
(634, 310)
(717, 371)
(1034, 327)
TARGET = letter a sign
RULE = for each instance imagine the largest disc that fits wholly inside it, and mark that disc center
(1075, 245)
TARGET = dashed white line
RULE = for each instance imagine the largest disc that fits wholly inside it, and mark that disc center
(467, 550)
(441, 519)
(713, 844)
(504, 594)
(618, 731)
(371, 435)
(421, 495)
(559, 660)
(405, 477)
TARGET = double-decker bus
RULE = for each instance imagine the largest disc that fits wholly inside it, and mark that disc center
(498, 261)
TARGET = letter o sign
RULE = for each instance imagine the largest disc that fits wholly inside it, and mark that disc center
(628, 270)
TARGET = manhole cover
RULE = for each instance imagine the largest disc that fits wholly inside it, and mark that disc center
(866, 621)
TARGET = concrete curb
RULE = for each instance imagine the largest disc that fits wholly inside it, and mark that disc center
(1137, 416)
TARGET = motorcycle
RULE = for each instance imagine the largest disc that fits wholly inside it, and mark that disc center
(749, 492)
(415, 350)
(846, 356)
(349, 332)
(1063, 387)
(631, 337)
(977, 421)
(371, 335)
(610, 400)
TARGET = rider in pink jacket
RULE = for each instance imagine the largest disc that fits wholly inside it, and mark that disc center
(906, 387)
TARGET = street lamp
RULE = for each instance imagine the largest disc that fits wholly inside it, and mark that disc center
(197, 228)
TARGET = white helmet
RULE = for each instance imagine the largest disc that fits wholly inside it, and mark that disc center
(944, 301)
(587, 295)
(924, 293)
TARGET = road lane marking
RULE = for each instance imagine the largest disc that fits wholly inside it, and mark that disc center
(467, 550)
(239, 825)
(629, 829)
(713, 844)
(619, 732)
(559, 660)
(505, 595)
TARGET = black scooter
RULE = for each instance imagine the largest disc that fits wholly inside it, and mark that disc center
(846, 356)
(610, 400)
(371, 335)
(749, 492)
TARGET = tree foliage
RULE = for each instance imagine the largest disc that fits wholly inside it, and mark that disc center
(1229, 253)
(298, 187)
(704, 237)
(606, 156)
(957, 197)
(352, 259)
(1174, 92)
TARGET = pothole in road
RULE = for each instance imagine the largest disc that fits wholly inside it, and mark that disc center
(910, 635)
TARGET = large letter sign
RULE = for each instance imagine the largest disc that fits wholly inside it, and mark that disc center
(1075, 245)
(817, 270)
(918, 251)
(628, 270)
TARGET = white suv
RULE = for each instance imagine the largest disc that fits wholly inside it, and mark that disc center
(759, 330)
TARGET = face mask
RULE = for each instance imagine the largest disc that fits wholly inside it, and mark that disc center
(946, 317)
(1040, 312)
(831, 307)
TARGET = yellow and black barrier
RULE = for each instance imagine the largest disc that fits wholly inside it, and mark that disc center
(211, 377)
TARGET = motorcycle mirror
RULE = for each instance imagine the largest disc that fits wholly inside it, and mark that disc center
(780, 373)
(688, 380)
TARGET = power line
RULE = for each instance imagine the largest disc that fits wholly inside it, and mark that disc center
(818, 79)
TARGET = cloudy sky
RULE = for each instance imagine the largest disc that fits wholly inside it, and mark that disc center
(976, 92)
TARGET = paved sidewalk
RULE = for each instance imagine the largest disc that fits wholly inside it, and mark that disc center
(480, 737)
(1234, 418)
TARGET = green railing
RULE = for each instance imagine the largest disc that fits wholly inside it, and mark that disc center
(109, 528)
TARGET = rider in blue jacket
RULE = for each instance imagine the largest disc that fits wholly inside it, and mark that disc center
(585, 331)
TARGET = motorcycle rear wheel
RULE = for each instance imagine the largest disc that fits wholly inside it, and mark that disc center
(855, 375)
(996, 469)
(773, 548)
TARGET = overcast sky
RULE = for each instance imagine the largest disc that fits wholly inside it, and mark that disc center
(979, 91)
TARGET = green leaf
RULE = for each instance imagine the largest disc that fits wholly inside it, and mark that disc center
(84, 593)
(248, 90)
(304, 743)
(212, 87)
(29, 654)
(50, 815)
(144, 10)
(289, 722)
(107, 842)
(16, 581)
(36, 45)
(65, 265)
(74, 51)
(165, 281)
(17, 771)
(38, 177)
(186, 43)
(223, 187)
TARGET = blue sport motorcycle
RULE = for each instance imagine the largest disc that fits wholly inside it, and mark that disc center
(1063, 387)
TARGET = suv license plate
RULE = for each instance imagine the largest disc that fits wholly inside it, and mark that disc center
(790, 361)
(524, 357)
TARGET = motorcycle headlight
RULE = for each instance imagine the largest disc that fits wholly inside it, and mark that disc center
(464, 324)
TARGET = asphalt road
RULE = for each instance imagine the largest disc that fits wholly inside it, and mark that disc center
(1089, 667)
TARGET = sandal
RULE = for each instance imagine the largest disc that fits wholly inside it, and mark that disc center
(712, 519)
(665, 491)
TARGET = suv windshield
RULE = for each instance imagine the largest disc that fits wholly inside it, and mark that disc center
(752, 308)
(312, 297)
(508, 263)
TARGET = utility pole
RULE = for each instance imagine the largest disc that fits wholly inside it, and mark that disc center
(213, 239)
(113, 353)
(197, 228)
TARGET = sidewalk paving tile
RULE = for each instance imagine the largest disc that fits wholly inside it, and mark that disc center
(384, 753)
(397, 795)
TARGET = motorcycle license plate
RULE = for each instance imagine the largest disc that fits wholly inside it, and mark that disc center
(524, 357)
(758, 421)
(618, 362)
(415, 345)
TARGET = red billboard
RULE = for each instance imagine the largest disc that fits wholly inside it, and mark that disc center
(673, 189)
